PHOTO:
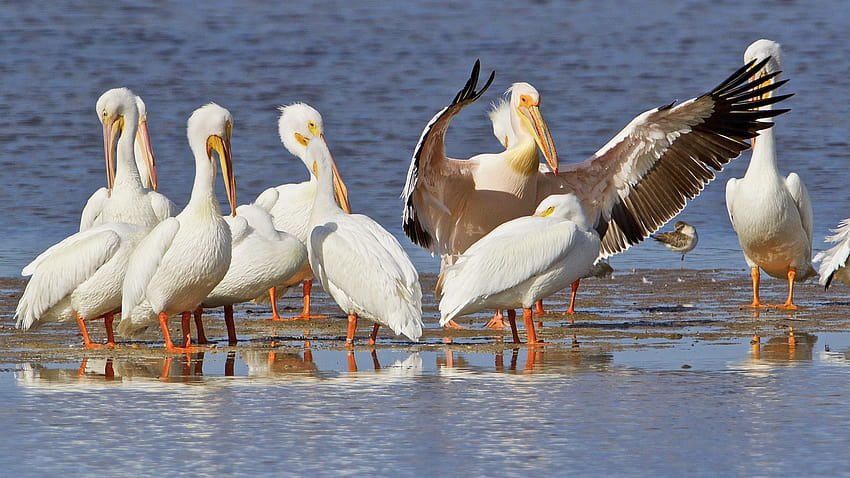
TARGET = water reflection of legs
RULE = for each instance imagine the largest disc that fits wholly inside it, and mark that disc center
(756, 314)
(352, 362)
(375, 363)
(230, 363)
(514, 359)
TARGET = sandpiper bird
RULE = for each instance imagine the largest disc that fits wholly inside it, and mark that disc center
(682, 240)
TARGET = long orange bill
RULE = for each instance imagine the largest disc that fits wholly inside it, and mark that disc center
(542, 137)
(111, 130)
(150, 161)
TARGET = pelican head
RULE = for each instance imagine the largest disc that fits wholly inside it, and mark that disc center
(214, 124)
(563, 206)
(525, 100)
(299, 123)
(115, 109)
(761, 49)
(144, 153)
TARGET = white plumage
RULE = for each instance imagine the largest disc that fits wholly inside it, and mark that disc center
(80, 275)
(261, 257)
(521, 261)
(358, 262)
(290, 204)
(183, 258)
(772, 215)
(833, 261)
(125, 199)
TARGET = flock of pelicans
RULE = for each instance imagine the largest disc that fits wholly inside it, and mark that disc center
(510, 230)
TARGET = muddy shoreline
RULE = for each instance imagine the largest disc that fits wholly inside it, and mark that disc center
(631, 310)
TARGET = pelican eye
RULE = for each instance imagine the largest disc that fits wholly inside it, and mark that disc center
(301, 139)
(313, 128)
(525, 100)
(549, 210)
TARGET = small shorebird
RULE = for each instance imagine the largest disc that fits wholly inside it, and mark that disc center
(682, 240)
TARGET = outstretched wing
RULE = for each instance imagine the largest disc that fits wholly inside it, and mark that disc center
(436, 183)
(646, 174)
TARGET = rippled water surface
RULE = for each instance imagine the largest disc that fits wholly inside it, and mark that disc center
(378, 71)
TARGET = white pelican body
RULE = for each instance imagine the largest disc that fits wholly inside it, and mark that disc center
(290, 204)
(449, 203)
(80, 275)
(772, 215)
(522, 261)
(833, 261)
(358, 262)
(183, 258)
(261, 257)
(126, 198)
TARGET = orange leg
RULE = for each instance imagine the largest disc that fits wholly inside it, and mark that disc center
(573, 290)
(199, 326)
(231, 327)
(352, 329)
(110, 335)
(497, 322)
(754, 273)
(373, 337)
(307, 287)
(169, 345)
(789, 302)
(273, 299)
(185, 322)
(453, 325)
(87, 343)
(512, 321)
(538, 307)
(529, 327)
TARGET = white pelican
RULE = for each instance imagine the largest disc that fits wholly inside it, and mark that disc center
(358, 262)
(290, 204)
(79, 278)
(683, 239)
(261, 257)
(520, 262)
(183, 258)
(772, 215)
(833, 261)
(125, 198)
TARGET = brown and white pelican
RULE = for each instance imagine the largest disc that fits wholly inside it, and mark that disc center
(631, 187)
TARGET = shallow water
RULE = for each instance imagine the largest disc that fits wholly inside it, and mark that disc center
(664, 381)
(438, 411)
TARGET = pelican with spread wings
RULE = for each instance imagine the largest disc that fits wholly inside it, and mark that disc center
(629, 189)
